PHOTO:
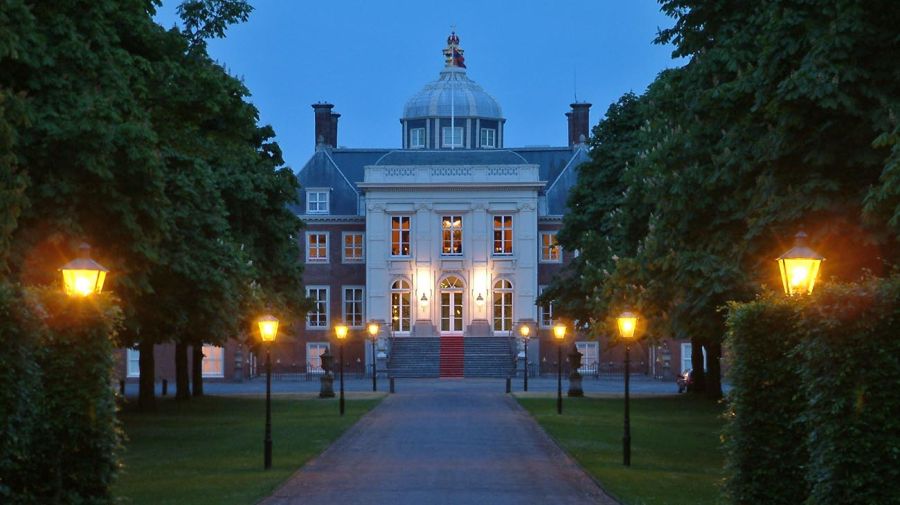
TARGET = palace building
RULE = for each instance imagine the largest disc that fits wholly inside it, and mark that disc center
(446, 242)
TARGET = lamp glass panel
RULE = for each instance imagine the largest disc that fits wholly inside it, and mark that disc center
(268, 329)
(626, 326)
(798, 275)
(83, 282)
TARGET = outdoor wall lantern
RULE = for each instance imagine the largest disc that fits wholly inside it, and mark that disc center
(423, 301)
(83, 276)
(268, 330)
(799, 267)
(479, 300)
(627, 322)
(340, 332)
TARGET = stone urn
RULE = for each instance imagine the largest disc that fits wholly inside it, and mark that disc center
(326, 388)
(575, 377)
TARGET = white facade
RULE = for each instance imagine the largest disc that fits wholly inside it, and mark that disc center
(477, 194)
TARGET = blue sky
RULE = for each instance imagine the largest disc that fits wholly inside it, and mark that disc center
(369, 57)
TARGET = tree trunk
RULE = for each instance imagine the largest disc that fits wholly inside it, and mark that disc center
(714, 375)
(182, 388)
(146, 394)
(197, 371)
(698, 383)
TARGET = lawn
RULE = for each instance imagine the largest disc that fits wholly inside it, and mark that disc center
(210, 450)
(675, 455)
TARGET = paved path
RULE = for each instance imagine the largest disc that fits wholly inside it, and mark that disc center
(442, 442)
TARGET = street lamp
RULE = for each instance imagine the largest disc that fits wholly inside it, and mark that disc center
(627, 323)
(268, 330)
(559, 334)
(525, 333)
(799, 267)
(83, 276)
(373, 328)
(340, 331)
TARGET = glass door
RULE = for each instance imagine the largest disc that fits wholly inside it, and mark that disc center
(451, 306)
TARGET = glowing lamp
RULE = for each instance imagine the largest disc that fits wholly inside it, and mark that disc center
(340, 331)
(627, 323)
(423, 301)
(559, 331)
(372, 329)
(524, 331)
(799, 267)
(268, 328)
(83, 276)
(479, 300)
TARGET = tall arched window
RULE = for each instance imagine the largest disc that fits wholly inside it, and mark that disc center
(400, 308)
(503, 297)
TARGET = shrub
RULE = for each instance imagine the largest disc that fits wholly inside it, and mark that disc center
(849, 370)
(764, 437)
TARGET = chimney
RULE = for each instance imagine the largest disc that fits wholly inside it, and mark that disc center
(579, 123)
(334, 121)
(326, 124)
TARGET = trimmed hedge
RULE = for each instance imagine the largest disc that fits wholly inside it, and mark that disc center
(765, 435)
(61, 438)
(815, 406)
(851, 378)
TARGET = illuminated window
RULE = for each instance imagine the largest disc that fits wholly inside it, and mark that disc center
(353, 306)
(400, 236)
(452, 136)
(451, 235)
(503, 303)
(316, 247)
(353, 247)
(317, 317)
(417, 138)
(314, 351)
(317, 201)
(488, 137)
(503, 235)
(133, 363)
(451, 305)
(213, 361)
(550, 250)
(400, 309)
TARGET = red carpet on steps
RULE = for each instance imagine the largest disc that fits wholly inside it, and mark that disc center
(452, 351)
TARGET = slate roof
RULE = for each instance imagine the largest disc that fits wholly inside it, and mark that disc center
(341, 169)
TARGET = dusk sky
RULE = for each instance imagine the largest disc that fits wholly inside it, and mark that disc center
(369, 57)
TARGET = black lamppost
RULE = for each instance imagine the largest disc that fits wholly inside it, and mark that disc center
(525, 332)
(268, 329)
(340, 331)
(559, 334)
(373, 335)
(627, 322)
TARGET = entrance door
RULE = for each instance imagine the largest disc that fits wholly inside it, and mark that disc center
(451, 306)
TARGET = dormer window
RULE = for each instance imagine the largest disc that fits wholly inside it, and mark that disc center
(417, 138)
(452, 136)
(317, 201)
(488, 138)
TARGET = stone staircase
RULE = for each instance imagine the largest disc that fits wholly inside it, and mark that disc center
(451, 357)
(489, 357)
(415, 357)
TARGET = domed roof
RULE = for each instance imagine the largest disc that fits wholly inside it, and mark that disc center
(452, 91)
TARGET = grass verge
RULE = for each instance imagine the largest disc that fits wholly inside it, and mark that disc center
(675, 455)
(209, 450)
